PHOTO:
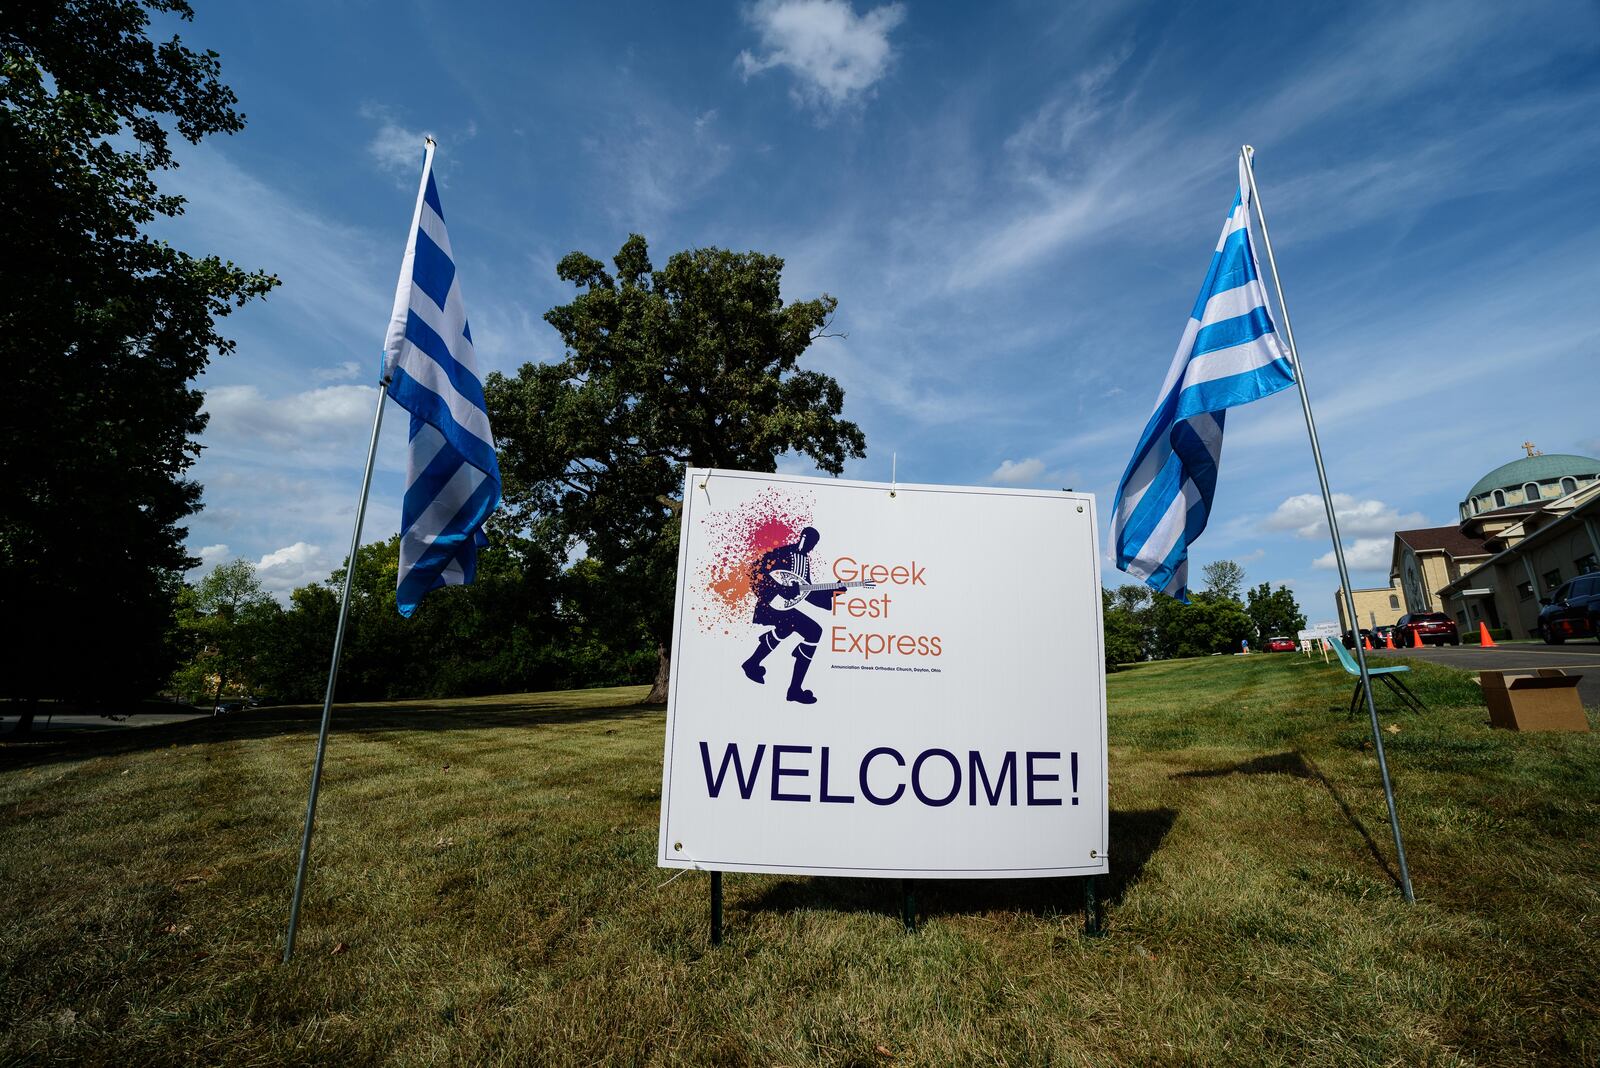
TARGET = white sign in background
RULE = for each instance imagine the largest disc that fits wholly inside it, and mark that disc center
(956, 722)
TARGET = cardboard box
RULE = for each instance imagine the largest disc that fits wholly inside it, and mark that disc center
(1543, 700)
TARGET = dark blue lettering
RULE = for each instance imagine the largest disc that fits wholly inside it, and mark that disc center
(916, 777)
(1035, 776)
(866, 791)
(823, 795)
(779, 771)
(746, 786)
(976, 771)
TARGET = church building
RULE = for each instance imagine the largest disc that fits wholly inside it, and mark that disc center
(1526, 527)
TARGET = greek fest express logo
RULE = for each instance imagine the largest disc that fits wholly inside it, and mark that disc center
(764, 572)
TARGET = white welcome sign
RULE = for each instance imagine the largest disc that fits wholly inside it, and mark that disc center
(885, 681)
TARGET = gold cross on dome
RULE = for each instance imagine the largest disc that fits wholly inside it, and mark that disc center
(1531, 450)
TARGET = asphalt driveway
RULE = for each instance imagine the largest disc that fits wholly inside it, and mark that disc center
(45, 722)
(1579, 657)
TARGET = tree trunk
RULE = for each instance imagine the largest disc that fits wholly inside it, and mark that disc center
(658, 691)
(24, 725)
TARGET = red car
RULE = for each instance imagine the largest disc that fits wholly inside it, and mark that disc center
(1282, 645)
(1435, 628)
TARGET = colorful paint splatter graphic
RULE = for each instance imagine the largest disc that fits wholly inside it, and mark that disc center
(736, 541)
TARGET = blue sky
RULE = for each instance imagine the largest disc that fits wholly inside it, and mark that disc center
(1014, 203)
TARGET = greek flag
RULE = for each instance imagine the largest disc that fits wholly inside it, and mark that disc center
(452, 480)
(1230, 355)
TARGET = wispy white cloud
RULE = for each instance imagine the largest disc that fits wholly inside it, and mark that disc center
(344, 372)
(655, 159)
(210, 556)
(1050, 141)
(1018, 472)
(395, 148)
(330, 298)
(1450, 346)
(1304, 515)
(287, 467)
(304, 424)
(1363, 554)
(834, 54)
(1138, 171)
(284, 570)
(265, 505)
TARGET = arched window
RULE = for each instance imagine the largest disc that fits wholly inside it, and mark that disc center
(1530, 491)
(1499, 498)
(1477, 505)
(1394, 601)
(1568, 485)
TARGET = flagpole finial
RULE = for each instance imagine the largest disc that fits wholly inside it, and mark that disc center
(428, 140)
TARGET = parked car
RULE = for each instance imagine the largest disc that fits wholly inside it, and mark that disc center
(1380, 635)
(1281, 644)
(1349, 643)
(1573, 611)
(1434, 628)
(227, 708)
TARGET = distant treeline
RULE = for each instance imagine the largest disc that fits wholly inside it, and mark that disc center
(527, 623)
(1144, 626)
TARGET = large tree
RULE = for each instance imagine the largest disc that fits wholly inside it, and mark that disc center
(1274, 612)
(103, 328)
(1210, 624)
(222, 619)
(695, 364)
(1224, 578)
(1127, 630)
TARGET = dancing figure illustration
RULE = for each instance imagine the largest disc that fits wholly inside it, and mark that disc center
(782, 583)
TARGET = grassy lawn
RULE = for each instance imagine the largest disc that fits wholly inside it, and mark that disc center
(484, 891)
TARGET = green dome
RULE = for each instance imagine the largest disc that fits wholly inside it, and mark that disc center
(1535, 469)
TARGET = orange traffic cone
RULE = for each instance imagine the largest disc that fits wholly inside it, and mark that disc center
(1416, 639)
(1388, 640)
(1366, 642)
(1483, 635)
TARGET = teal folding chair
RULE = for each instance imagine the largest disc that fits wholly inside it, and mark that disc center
(1389, 676)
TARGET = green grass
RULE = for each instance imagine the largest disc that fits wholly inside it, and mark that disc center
(484, 891)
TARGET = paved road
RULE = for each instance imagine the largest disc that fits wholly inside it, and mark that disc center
(46, 723)
(1577, 657)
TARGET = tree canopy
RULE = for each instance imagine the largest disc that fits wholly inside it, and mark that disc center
(220, 621)
(524, 624)
(692, 364)
(1140, 626)
(1224, 578)
(1274, 612)
(103, 329)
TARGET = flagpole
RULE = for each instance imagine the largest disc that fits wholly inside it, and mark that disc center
(333, 676)
(1246, 153)
(349, 578)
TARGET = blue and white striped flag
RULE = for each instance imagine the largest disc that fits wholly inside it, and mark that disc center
(1230, 355)
(453, 480)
